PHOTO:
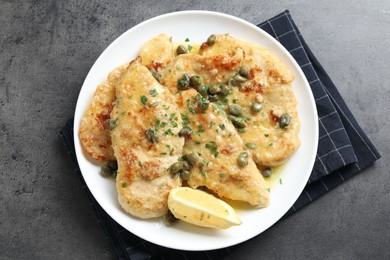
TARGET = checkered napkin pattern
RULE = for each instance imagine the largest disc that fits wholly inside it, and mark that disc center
(343, 150)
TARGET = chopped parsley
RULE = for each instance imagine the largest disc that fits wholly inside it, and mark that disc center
(251, 145)
(144, 99)
(187, 40)
(221, 175)
(157, 125)
(222, 126)
(209, 145)
(168, 132)
(189, 47)
(171, 116)
(185, 119)
(156, 75)
(124, 185)
(153, 92)
(200, 128)
(191, 109)
(112, 123)
(241, 130)
(266, 135)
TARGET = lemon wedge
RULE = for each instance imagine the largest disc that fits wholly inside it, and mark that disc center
(201, 208)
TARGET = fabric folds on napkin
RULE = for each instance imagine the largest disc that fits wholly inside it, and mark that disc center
(343, 150)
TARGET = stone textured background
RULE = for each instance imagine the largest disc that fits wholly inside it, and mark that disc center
(46, 51)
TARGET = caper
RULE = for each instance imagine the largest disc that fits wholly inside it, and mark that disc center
(110, 169)
(192, 158)
(181, 49)
(184, 132)
(169, 219)
(113, 165)
(105, 171)
(176, 167)
(242, 159)
(185, 175)
(256, 107)
(237, 121)
(211, 40)
(194, 81)
(214, 89)
(225, 90)
(244, 71)
(203, 90)
(186, 166)
(284, 120)
(232, 82)
(267, 172)
(112, 123)
(152, 136)
(213, 97)
(235, 110)
(236, 80)
(184, 82)
(240, 79)
(203, 104)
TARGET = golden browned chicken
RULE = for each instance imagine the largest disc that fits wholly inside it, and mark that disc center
(222, 164)
(145, 124)
(94, 134)
(262, 91)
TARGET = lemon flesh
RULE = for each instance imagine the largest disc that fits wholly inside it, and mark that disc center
(201, 208)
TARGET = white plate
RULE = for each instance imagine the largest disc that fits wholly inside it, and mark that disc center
(197, 26)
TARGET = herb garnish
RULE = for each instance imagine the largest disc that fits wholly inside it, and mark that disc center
(144, 99)
(250, 145)
(153, 92)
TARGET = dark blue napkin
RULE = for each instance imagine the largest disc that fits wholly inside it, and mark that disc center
(344, 150)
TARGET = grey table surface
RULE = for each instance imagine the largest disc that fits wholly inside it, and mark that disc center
(47, 49)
